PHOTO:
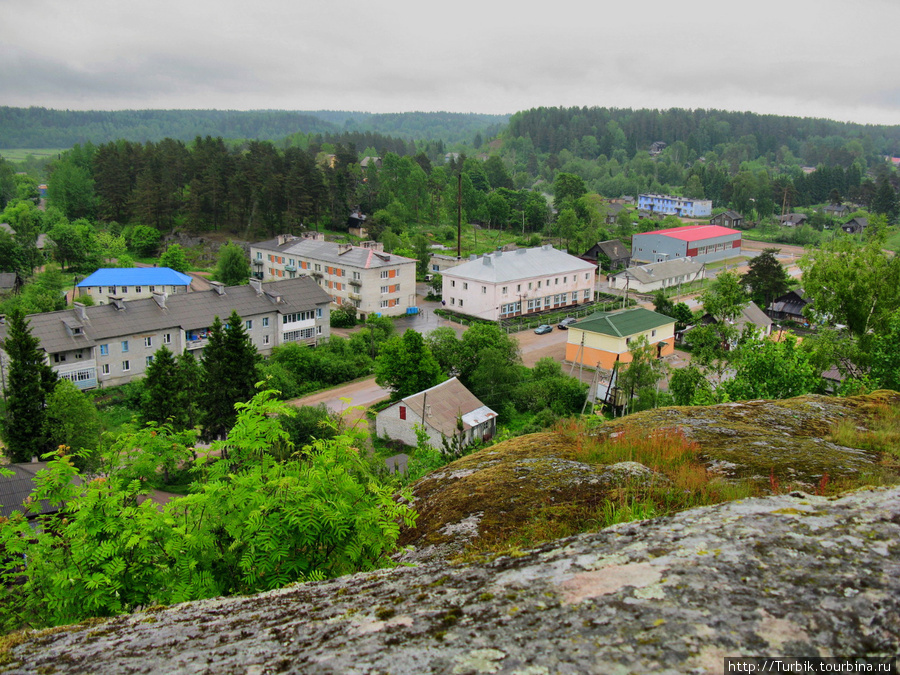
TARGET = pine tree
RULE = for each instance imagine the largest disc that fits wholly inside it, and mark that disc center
(229, 375)
(28, 383)
(160, 400)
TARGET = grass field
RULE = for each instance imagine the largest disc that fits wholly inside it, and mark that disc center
(19, 154)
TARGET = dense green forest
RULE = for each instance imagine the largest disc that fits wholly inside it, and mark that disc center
(571, 159)
(43, 128)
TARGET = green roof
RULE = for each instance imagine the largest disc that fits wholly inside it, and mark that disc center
(623, 323)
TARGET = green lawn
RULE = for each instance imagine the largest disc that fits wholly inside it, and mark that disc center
(19, 154)
(893, 240)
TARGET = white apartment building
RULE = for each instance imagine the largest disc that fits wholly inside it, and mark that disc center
(133, 283)
(364, 276)
(114, 343)
(525, 281)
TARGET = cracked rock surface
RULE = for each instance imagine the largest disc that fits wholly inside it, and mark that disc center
(791, 574)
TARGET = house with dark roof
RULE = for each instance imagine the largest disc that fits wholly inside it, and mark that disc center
(114, 343)
(364, 277)
(657, 276)
(751, 315)
(10, 282)
(793, 219)
(441, 411)
(612, 212)
(855, 225)
(604, 338)
(133, 283)
(613, 250)
(837, 210)
(789, 307)
(15, 490)
(728, 219)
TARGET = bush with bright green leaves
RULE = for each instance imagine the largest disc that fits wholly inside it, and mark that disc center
(251, 523)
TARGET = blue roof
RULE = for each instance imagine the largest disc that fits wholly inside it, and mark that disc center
(136, 276)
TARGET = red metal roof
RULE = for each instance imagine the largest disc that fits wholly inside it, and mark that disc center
(696, 232)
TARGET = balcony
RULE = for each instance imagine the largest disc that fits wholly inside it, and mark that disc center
(259, 263)
(82, 374)
(290, 268)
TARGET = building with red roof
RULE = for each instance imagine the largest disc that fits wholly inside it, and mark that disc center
(702, 243)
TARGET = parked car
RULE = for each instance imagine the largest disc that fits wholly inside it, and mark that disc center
(565, 323)
(543, 329)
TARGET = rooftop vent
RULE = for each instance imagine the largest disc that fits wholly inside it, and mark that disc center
(256, 285)
(118, 303)
(218, 287)
(160, 299)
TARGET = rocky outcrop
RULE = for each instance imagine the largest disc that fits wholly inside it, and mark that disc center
(480, 499)
(793, 574)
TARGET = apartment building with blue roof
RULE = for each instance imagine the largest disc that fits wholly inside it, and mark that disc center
(133, 283)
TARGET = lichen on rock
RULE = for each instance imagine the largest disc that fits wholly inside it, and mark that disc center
(790, 574)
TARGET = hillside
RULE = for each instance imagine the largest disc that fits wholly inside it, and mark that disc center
(44, 128)
(792, 573)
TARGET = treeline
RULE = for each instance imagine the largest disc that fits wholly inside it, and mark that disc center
(594, 131)
(46, 128)
(209, 185)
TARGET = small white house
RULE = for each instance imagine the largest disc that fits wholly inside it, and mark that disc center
(657, 276)
(439, 410)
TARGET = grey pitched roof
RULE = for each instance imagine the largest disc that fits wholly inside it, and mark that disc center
(447, 401)
(614, 249)
(183, 311)
(15, 489)
(647, 274)
(8, 280)
(332, 252)
(522, 263)
(751, 314)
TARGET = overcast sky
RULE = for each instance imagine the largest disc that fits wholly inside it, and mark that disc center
(819, 58)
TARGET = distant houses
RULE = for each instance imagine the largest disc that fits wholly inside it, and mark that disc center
(728, 219)
(133, 283)
(609, 255)
(658, 276)
(793, 219)
(855, 225)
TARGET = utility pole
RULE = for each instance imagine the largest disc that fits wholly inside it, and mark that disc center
(459, 216)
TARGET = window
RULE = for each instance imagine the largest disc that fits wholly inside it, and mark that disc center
(126, 366)
(137, 289)
(539, 285)
(435, 268)
(104, 369)
(318, 267)
(384, 274)
(465, 285)
(148, 341)
(460, 302)
(124, 289)
(587, 275)
(565, 280)
(529, 285)
(356, 276)
(384, 289)
(556, 281)
(112, 289)
(104, 350)
(402, 412)
(504, 290)
(452, 301)
(78, 354)
(299, 316)
(653, 333)
(149, 360)
(249, 324)
(384, 303)
(265, 339)
(453, 283)
(518, 288)
(318, 312)
(59, 358)
(483, 290)
(259, 255)
(587, 294)
(153, 289)
(124, 346)
(265, 322)
(167, 339)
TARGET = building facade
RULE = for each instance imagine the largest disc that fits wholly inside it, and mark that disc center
(114, 343)
(683, 207)
(525, 281)
(133, 283)
(604, 338)
(700, 243)
(364, 277)
(657, 276)
(439, 410)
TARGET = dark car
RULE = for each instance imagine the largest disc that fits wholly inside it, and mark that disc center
(565, 323)
(543, 329)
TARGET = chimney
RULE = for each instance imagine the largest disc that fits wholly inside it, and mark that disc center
(119, 303)
(218, 287)
(486, 260)
(160, 299)
(80, 311)
(256, 285)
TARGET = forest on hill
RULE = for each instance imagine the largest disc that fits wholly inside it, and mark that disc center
(46, 128)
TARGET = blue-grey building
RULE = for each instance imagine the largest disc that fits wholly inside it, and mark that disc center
(684, 207)
(702, 243)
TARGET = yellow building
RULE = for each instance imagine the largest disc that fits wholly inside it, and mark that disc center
(606, 337)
